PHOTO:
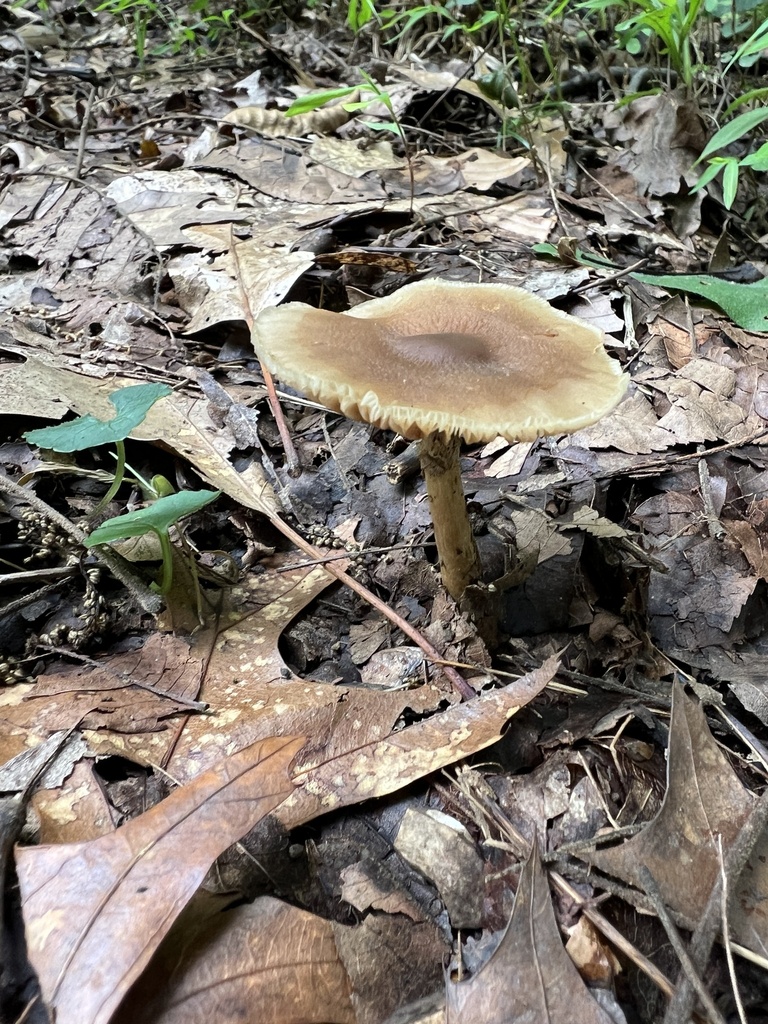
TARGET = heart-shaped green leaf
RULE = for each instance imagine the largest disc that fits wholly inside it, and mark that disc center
(159, 517)
(132, 405)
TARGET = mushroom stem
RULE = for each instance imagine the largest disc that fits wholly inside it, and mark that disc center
(456, 548)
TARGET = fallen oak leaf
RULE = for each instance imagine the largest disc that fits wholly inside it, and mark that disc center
(271, 962)
(529, 976)
(220, 962)
(383, 765)
(705, 804)
(95, 912)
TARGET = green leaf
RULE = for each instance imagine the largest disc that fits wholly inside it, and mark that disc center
(158, 517)
(304, 104)
(752, 46)
(359, 13)
(758, 160)
(747, 97)
(132, 404)
(745, 304)
(730, 182)
(741, 125)
(712, 169)
(586, 259)
(382, 126)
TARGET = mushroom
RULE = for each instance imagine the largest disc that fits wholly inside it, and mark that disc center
(444, 361)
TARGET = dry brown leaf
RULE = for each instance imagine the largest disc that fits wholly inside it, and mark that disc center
(700, 602)
(271, 963)
(250, 692)
(527, 218)
(390, 961)
(589, 520)
(632, 427)
(704, 800)
(360, 766)
(95, 912)
(529, 977)
(182, 423)
(354, 157)
(131, 692)
(698, 415)
(22, 389)
(162, 205)
(213, 292)
(593, 957)
(294, 177)
(441, 849)
(75, 812)
(751, 544)
(264, 963)
(364, 889)
(667, 135)
(474, 168)
(443, 81)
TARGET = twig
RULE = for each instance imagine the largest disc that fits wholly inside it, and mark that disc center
(610, 278)
(84, 132)
(117, 565)
(705, 934)
(460, 685)
(612, 934)
(291, 458)
(715, 527)
(759, 751)
(691, 974)
(663, 464)
(126, 679)
(726, 933)
(337, 556)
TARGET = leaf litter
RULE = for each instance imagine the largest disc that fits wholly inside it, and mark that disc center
(628, 555)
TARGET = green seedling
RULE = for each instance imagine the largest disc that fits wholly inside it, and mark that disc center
(157, 518)
(731, 166)
(359, 13)
(578, 255)
(132, 405)
(749, 52)
(192, 25)
(305, 104)
(745, 304)
(667, 24)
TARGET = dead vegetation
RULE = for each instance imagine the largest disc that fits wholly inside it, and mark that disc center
(288, 777)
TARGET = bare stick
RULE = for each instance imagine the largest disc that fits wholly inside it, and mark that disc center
(291, 458)
(460, 685)
(118, 566)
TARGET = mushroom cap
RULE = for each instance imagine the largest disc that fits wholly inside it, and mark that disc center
(477, 360)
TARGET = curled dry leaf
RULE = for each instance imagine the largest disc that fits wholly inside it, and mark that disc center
(95, 912)
(273, 963)
(529, 977)
(704, 800)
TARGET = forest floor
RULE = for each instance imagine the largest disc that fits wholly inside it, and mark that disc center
(300, 784)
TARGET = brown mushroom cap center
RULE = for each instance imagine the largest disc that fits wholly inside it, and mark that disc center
(442, 349)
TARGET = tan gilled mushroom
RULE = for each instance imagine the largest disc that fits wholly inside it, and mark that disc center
(442, 361)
